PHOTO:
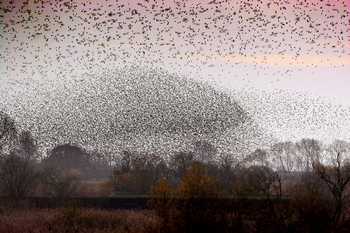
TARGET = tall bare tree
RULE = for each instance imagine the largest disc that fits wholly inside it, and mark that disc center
(333, 168)
(18, 169)
(285, 156)
(310, 149)
(8, 132)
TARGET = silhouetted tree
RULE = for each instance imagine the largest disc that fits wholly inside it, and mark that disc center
(333, 167)
(138, 172)
(260, 157)
(8, 132)
(180, 162)
(19, 173)
(204, 151)
(310, 149)
(68, 157)
(100, 166)
(196, 183)
(60, 183)
(285, 156)
(263, 181)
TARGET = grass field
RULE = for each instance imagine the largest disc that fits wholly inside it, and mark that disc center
(69, 220)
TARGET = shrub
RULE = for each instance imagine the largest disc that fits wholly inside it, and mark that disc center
(197, 184)
(194, 205)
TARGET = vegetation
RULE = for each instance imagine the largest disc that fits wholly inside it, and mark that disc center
(289, 187)
(72, 220)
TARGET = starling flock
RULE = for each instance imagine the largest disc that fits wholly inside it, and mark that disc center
(54, 51)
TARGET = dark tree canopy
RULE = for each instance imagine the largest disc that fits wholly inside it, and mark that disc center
(8, 131)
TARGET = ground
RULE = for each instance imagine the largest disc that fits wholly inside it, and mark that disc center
(76, 220)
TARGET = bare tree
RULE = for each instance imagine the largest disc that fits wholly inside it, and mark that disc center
(260, 157)
(181, 162)
(138, 172)
(60, 184)
(204, 151)
(28, 146)
(257, 180)
(226, 162)
(285, 156)
(263, 181)
(333, 168)
(310, 150)
(18, 169)
(8, 132)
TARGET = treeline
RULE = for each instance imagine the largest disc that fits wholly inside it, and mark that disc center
(314, 178)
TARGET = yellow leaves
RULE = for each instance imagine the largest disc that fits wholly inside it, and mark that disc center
(162, 189)
(194, 184)
(197, 184)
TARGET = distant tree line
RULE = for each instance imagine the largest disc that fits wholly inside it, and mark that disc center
(313, 175)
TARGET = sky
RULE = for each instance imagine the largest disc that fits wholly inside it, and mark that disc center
(286, 62)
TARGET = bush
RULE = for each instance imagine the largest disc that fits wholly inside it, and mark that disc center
(197, 184)
(194, 205)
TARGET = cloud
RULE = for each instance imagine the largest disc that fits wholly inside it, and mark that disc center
(280, 60)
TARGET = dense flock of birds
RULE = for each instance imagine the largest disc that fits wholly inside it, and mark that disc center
(52, 50)
(42, 36)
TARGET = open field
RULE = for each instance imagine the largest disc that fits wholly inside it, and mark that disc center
(171, 216)
(78, 221)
